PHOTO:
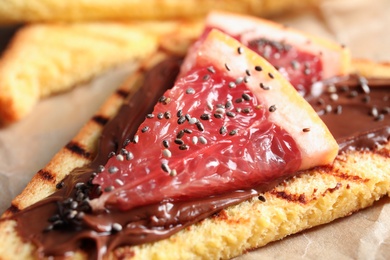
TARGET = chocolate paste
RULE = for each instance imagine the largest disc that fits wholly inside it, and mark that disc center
(59, 226)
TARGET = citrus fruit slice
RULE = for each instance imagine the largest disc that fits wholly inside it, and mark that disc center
(302, 58)
(230, 122)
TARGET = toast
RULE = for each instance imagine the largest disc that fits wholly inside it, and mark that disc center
(17, 11)
(355, 181)
(46, 59)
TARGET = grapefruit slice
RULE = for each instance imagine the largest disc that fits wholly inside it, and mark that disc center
(302, 58)
(230, 122)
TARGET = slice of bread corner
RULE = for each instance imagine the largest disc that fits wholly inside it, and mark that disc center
(45, 59)
(17, 11)
(314, 197)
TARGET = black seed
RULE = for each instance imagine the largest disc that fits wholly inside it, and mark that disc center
(54, 218)
(60, 185)
(380, 117)
(184, 147)
(220, 106)
(129, 156)
(272, 108)
(246, 97)
(167, 115)
(190, 91)
(200, 126)
(363, 84)
(188, 131)
(386, 110)
(181, 120)
(239, 80)
(211, 69)
(162, 99)
(247, 72)
(180, 134)
(320, 101)
(353, 93)
(160, 115)
(116, 227)
(295, 64)
(223, 130)
(113, 169)
(100, 168)
(262, 198)
(165, 167)
(306, 129)
(179, 113)
(328, 108)
(124, 151)
(232, 84)
(264, 86)
(73, 205)
(145, 129)
(205, 116)
(111, 154)
(149, 116)
(217, 115)
(230, 114)
(227, 67)
(179, 141)
(228, 104)
(187, 117)
(270, 75)
(246, 79)
(109, 188)
(246, 110)
(240, 50)
(238, 100)
(233, 132)
(374, 112)
(339, 109)
(366, 99)
(258, 68)
(206, 77)
(165, 143)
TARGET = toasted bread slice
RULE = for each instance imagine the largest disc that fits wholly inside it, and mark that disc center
(75, 10)
(44, 59)
(314, 197)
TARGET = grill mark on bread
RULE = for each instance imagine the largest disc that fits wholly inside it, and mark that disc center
(46, 175)
(336, 172)
(122, 93)
(383, 152)
(101, 120)
(77, 149)
(302, 198)
(13, 209)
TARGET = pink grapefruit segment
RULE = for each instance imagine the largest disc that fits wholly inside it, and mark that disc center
(230, 122)
(302, 58)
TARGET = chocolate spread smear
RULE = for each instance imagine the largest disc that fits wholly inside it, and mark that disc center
(64, 222)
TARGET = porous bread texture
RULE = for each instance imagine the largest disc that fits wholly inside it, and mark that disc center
(45, 59)
(314, 197)
(17, 11)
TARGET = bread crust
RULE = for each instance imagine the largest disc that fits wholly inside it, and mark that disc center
(46, 59)
(17, 11)
(355, 181)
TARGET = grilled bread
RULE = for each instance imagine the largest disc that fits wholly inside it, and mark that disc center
(45, 59)
(314, 197)
(17, 11)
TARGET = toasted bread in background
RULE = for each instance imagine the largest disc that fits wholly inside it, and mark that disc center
(45, 59)
(314, 197)
(17, 11)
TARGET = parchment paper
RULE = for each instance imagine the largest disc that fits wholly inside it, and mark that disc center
(362, 25)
